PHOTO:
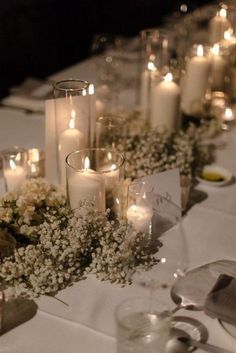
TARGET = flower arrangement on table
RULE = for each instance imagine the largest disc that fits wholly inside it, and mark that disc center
(50, 247)
(45, 246)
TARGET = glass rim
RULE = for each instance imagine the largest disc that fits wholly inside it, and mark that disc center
(121, 163)
(74, 89)
(14, 150)
(132, 300)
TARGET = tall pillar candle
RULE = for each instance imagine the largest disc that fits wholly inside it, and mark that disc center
(147, 81)
(70, 140)
(165, 104)
(218, 25)
(195, 82)
(218, 69)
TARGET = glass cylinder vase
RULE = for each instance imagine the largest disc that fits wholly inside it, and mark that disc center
(74, 119)
(14, 163)
(95, 175)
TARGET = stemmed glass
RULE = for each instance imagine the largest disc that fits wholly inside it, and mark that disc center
(161, 219)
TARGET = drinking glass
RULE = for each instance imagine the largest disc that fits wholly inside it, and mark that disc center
(162, 222)
(142, 327)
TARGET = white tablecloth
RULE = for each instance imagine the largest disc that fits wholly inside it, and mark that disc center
(87, 324)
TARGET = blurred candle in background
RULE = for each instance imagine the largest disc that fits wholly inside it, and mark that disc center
(165, 104)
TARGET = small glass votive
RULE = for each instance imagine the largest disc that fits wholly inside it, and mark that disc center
(139, 209)
(14, 162)
(142, 325)
(95, 175)
(35, 163)
(110, 131)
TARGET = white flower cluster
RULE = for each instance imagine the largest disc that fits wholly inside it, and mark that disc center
(152, 151)
(69, 247)
(23, 211)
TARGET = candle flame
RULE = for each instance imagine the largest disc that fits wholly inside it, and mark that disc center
(215, 49)
(113, 167)
(86, 163)
(228, 34)
(168, 77)
(228, 114)
(91, 89)
(109, 156)
(151, 66)
(200, 51)
(72, 119)
(223, 13)
(12, 164)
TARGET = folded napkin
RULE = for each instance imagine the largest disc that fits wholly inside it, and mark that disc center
(221, 301)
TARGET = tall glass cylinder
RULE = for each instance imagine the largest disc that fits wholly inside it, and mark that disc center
(74, 119)
(95, 175)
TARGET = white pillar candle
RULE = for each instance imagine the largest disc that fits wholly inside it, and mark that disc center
(86, 185)
(140, 217)
(218, 25)
(148, 78)
(14, 176)
(165, 104)
(70, 140)
(195, 82)
(218, 69)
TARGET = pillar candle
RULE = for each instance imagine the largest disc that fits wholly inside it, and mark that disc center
(165, 104)
(196, 82)
(147, 80)
(218, 25)
(218, 69)
(140, 217)
(14, 176)
(70, 140)
(86, 185)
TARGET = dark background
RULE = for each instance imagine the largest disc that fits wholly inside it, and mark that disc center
(40, 37)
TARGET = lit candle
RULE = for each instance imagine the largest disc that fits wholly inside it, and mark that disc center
(195, 82)
(86, 185)
(35, 163)
(147, 80)
(140, 217)
(70, 140)
(165, 104)
(218, 25)
(14, 176)
(218, 69)
(229, 40)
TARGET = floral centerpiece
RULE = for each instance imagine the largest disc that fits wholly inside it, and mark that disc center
(54, 246)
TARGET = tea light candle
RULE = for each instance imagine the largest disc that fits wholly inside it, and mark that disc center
(218, 25)
(165, 104)
(195, 82)
(14, 176)
(70, 140)
(87, 185)
(218, 69)
(140, 217)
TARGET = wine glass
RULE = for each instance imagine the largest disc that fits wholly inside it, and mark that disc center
(161, 219)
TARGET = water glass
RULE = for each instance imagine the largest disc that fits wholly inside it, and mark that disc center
(143, 326)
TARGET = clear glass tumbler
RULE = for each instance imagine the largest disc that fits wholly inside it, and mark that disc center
(143, 326)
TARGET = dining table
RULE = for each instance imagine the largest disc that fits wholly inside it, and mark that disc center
(81, 318)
